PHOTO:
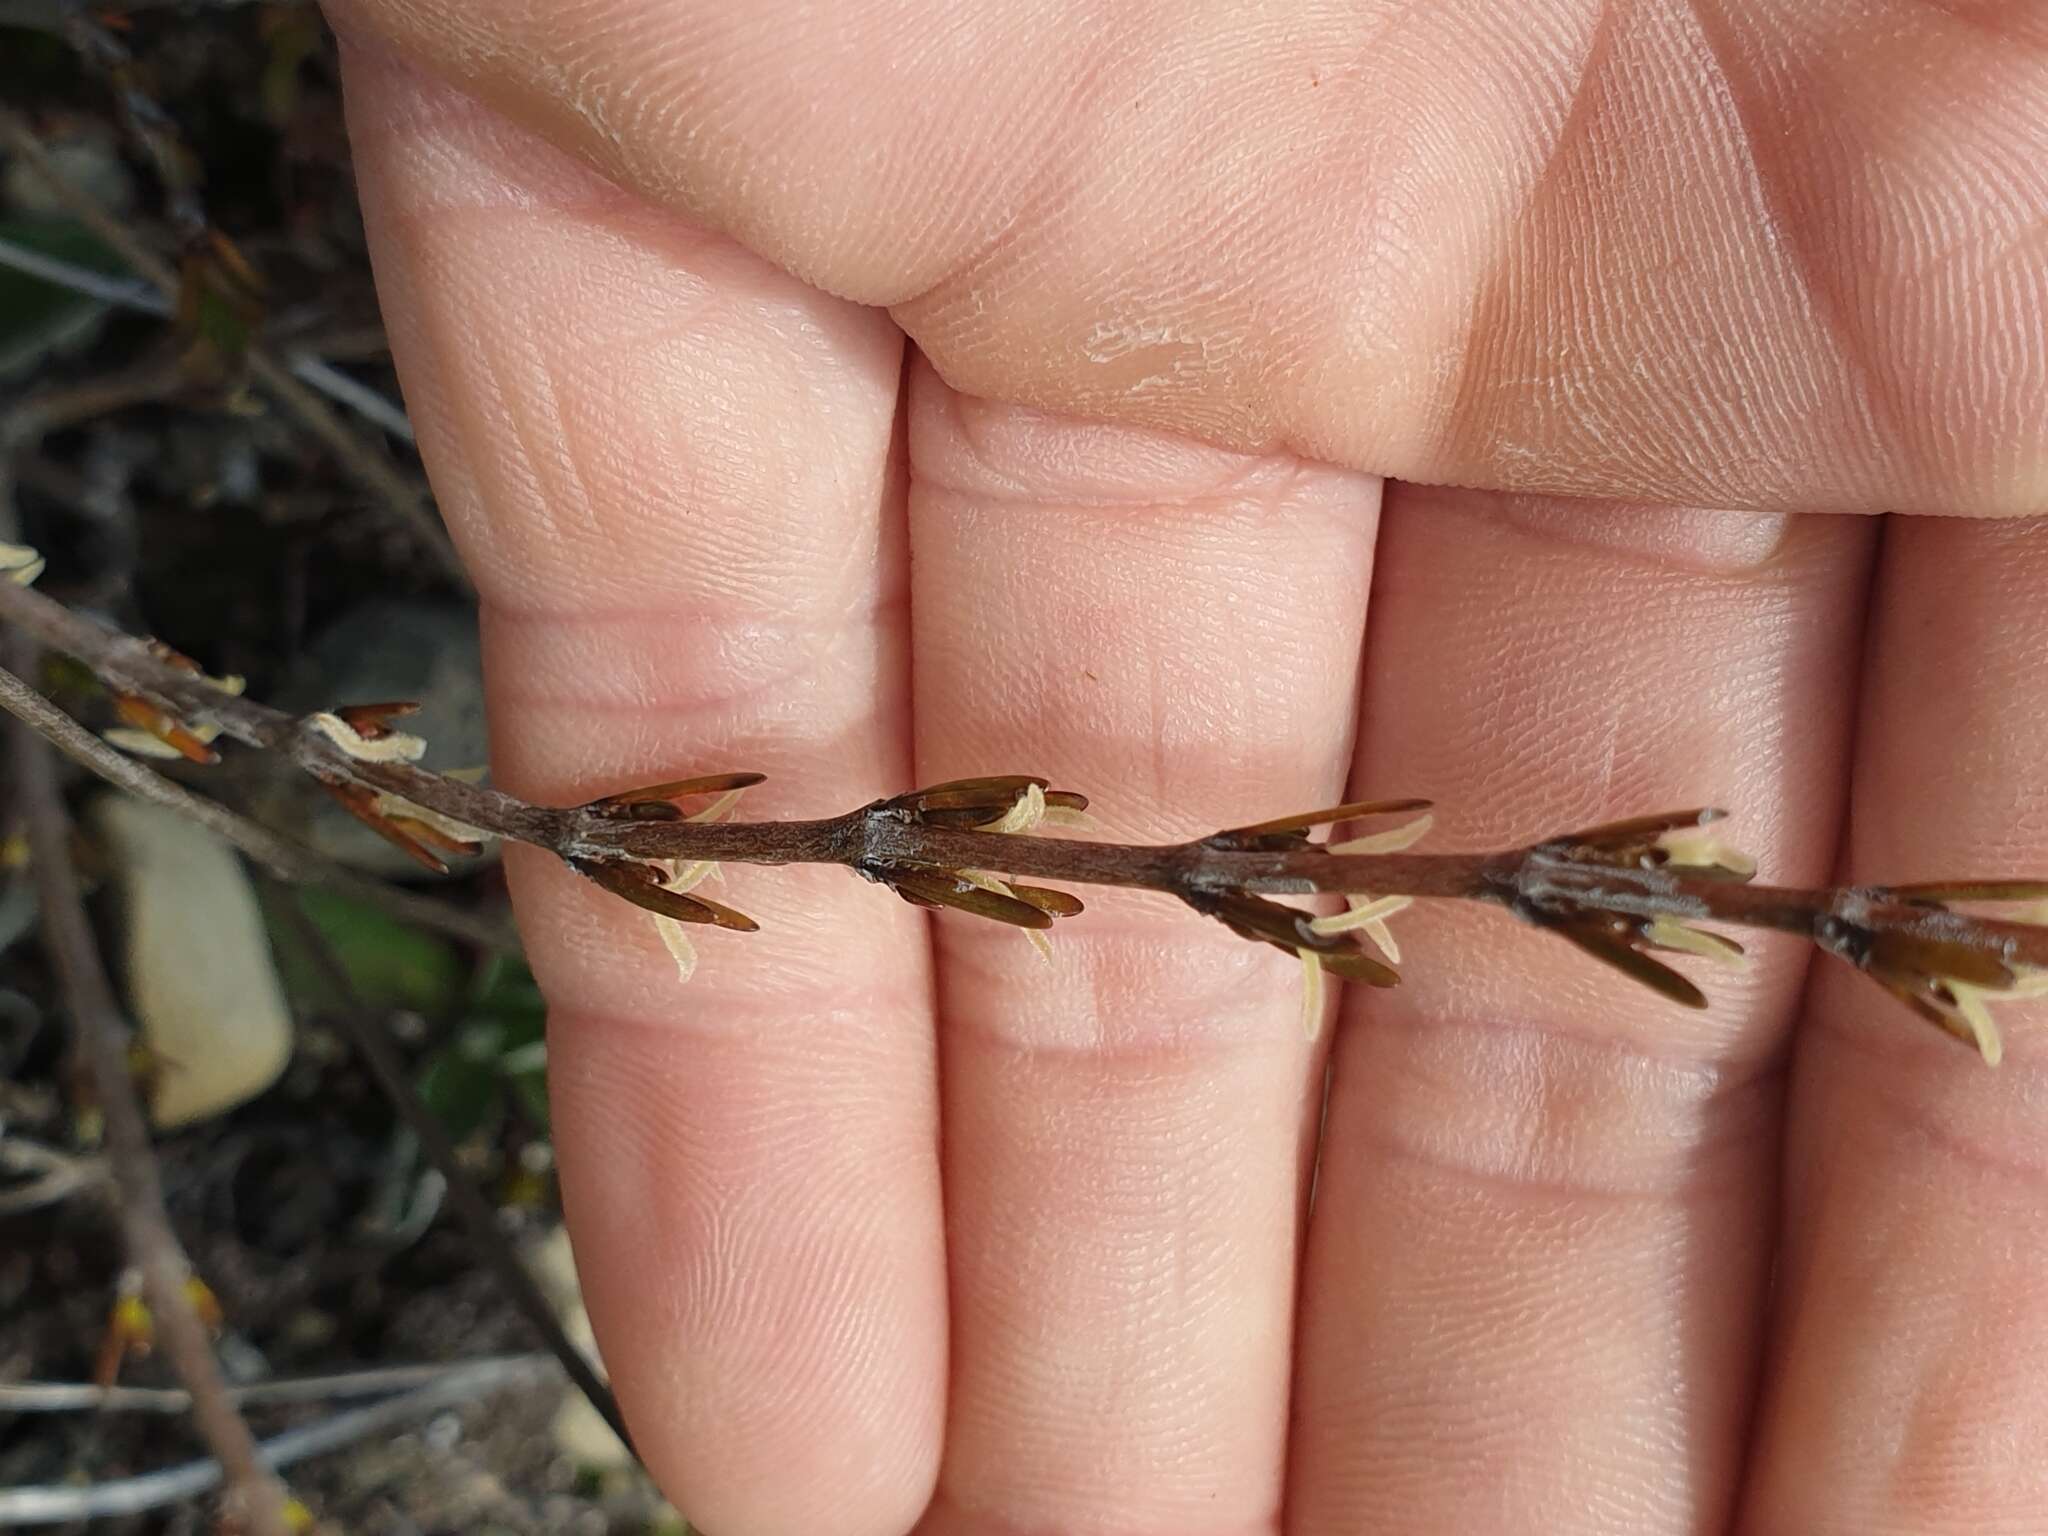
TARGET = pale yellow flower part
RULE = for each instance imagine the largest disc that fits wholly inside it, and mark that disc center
(397, 747)
(1393, 840)
(389, 804)
(1973, 1005)
(1702, 848)
(1311, 993)
(677, 941)
(684, 876)
(142, 744)
(718, 809)
(1670, 933)
(21, 564)
(1370, 914)
(1026, 813)
(982, 880)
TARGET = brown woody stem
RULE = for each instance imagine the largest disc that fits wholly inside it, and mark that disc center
(1557, 884)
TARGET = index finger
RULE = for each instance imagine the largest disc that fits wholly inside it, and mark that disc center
(1697, 253)
(670, 469)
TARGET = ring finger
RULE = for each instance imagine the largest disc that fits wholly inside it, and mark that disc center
(1542, 1227)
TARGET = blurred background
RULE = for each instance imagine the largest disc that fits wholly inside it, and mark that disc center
(201, 433)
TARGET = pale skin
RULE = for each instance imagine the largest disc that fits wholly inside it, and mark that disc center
(885, 1224)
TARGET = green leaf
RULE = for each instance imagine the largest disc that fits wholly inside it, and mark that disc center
(390, 963)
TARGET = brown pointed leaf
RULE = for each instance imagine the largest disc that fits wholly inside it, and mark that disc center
(1046, 899)
(1600, 941)
(1295, 829)
(968, 803)
(1635, 830)
(641, 885)
(946, 891)
(362, 805)
(371, 721)
(431, 835)
(1911, 954)
(636, 801)
(1354, 964)
(145, 716)
(1254, 917)
(1936, 1011)
(1937, 892)
(994, 791)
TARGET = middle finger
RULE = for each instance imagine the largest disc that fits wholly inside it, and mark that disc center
(1175, 630)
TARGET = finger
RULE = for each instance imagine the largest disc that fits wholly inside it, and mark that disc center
(1537, 1257)
(669, 468)
(1635, 250)
(1176, 631)
(1909, 1386)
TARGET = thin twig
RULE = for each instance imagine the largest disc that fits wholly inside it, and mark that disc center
(313, 370)
(368, 467)
(308, 367)
(335, 1386)
(123, 292)
(38, 415)
(280, 855)
(479, 1220)
(58, 1503)
(102, 1043)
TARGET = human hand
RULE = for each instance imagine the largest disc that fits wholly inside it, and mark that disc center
(1662, 257)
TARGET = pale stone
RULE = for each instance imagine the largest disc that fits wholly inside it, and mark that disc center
(201, 982)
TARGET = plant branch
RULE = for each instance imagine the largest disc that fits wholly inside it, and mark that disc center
(1617, 892)
(103, 1045)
